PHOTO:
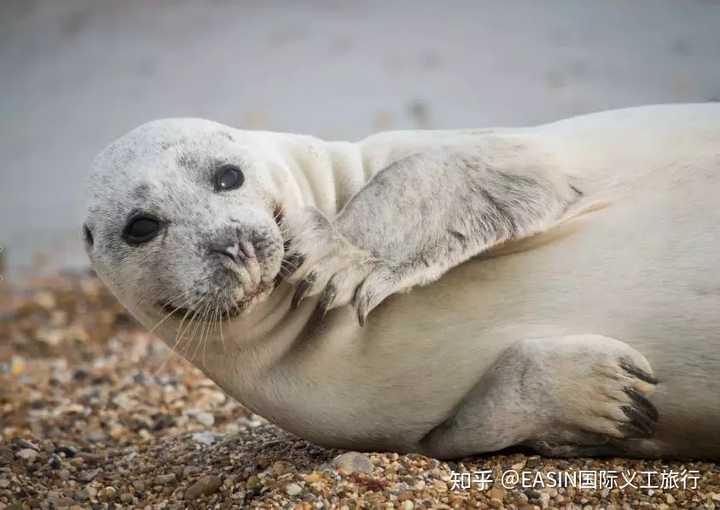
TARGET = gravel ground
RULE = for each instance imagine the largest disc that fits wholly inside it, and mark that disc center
(95, 413)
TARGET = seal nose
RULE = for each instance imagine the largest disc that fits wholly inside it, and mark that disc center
(236, 249)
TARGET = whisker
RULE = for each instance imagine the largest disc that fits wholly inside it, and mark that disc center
(200, 323)
(175, 349)
(166, 317)
(220, 325)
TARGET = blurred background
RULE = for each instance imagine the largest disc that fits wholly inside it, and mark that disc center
(75, 74)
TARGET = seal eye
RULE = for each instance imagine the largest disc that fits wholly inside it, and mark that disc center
(87, 235)
(141, 229)
(228, 178)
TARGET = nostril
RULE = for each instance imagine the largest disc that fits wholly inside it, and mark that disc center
(232, 251)
(247, 249)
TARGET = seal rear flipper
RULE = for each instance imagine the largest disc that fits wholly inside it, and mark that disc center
(564, 396)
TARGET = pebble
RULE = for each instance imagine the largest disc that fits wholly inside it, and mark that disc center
(281, 467)
(206, 419)
(6, 456)
(496, 493)
(55, 461)
(107, 494)
(88, 475)
(205, 486)
(293, 489)
(25, 444)
(253, 482)
(164, 479)
(27, 454)
(204, 438)
(544, 500)
(407, 505)
(353, 462)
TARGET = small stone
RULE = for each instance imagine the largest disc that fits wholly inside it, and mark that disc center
(27, 454)
(496, 493)
(6, 456)
(293, 489)
(88, 475)
(4, 483)
(253, 482)
(353, 462)
(58, 501)
(205, 486)
(407, 505)
(204, 438)
(544, 500)
(281, 467)
(45, 300)
(533, 493)
(164, 479)
(495, 503)
(24, 443)
(107, 494)
(669, 499)
(206, 419)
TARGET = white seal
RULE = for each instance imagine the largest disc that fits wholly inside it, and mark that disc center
(577, 303)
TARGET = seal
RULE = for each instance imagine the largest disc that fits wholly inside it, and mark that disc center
(575, 296)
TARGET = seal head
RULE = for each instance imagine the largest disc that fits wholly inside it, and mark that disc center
(184, 221)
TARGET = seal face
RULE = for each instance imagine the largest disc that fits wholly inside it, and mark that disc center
(193, 232)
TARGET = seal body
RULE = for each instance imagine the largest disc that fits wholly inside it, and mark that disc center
(587, 327)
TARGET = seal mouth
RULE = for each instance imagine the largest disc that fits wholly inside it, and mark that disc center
(226, 309)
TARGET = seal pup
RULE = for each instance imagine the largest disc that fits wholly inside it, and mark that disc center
(576, 310)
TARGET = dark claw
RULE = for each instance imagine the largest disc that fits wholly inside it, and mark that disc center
(326, 300)
(640, 421)
(362, 317)
(632, 430)
(360, 304)
(291, 263)
(631, 369)
(302, 289)
(642, 403)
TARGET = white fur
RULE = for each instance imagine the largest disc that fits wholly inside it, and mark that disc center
(639, 265)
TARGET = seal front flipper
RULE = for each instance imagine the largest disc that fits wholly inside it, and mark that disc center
(336, 269)
(562, 396)
(425, 214)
